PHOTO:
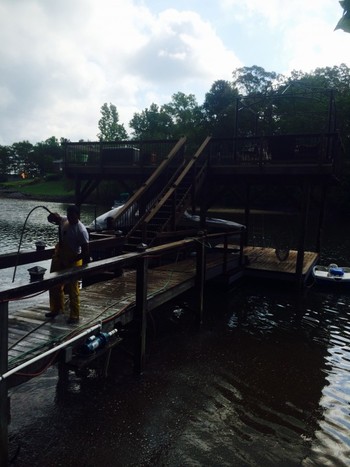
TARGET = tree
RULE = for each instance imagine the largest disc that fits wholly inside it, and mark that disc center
(255, 80)
(219, 109)
(5, 158)
(344, 22)
(110, 129)
(21, 160)
(152, 123)
(46, 152)
(326, 84)
(186, 116)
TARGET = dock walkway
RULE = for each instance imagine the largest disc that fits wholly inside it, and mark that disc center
(111, 302)
(113, 299)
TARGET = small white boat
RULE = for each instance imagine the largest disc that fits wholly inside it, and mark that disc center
(331, 274)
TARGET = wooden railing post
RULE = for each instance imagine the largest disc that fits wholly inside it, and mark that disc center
(200, 278)
(141, 313)
(303, 229)
(224, 267)
(3, 383)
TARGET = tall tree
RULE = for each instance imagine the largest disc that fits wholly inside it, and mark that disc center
(109, 126)
(186, 115)
(22, 159)
(5, 158)
(45, 153)
(219, 109)
(152, 123)
(255, 80)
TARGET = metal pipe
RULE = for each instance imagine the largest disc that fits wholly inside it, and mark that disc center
(49, 352)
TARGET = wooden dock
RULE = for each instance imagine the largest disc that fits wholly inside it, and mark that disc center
(264, 263)
(113, 299)
(30, 343)
(110, 302)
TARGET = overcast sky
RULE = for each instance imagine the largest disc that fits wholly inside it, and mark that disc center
(60, 60)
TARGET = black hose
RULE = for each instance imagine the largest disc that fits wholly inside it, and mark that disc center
(20, 241)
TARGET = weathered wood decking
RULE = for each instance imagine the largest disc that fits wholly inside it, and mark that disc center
(263, 262)
(109, 301)
(113, 300)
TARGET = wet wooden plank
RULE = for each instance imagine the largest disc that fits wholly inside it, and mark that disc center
(30, 332)
(265, 259)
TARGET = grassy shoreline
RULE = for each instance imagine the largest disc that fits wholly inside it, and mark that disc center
(50, 190)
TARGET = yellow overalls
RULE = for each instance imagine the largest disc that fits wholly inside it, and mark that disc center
(65, 258)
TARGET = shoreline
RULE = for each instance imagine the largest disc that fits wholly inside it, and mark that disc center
(14, 194)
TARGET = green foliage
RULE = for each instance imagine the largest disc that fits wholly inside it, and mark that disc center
(110, 129)
(255, 80)
(344, 22)
(264, 103)
(219, 109)
(152, 123)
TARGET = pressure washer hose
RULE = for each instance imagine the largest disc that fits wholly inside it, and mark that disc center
(20, 241)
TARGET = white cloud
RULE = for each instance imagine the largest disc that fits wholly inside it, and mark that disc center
(63, 59)
(303, 30)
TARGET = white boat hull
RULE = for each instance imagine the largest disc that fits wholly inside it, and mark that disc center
(331, 274)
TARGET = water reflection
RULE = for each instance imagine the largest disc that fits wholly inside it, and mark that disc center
(260, 384)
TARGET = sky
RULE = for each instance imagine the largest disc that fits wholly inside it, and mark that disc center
(61, 60)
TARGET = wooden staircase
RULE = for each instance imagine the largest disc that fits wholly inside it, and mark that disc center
(161, 219)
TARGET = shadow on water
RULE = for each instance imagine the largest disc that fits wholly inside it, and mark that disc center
(258, 384)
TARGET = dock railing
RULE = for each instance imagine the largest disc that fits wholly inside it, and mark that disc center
(140, 261)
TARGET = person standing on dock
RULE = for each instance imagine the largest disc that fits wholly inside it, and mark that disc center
(72, 250)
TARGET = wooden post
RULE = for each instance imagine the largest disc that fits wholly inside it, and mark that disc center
(141, 313)
(303, 229)
(247, 212)
(321, 219)
(200, 278)
(3, 383)
(224, 267)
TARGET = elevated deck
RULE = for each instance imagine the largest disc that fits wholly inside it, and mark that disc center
(297, 154)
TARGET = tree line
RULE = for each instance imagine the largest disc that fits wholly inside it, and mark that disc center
(250, 104)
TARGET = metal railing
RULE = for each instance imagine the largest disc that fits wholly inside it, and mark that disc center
(300, 149)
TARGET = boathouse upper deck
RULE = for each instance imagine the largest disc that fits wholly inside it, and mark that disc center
(291, 134)
(293, 154)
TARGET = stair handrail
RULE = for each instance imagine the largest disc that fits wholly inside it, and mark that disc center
(132, 203)
(185, 171)
(198, 154)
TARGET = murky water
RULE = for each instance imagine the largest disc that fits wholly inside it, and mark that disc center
(258, 385)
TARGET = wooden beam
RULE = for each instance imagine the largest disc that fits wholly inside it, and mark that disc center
(3, 383)
(141, 313)
(303, 231)
(200, 278)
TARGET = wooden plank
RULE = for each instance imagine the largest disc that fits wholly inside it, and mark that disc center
(30, 332)
(265, 259)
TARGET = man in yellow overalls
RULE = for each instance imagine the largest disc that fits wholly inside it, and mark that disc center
(72, 250)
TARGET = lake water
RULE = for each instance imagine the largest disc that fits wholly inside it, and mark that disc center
(259, 385)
